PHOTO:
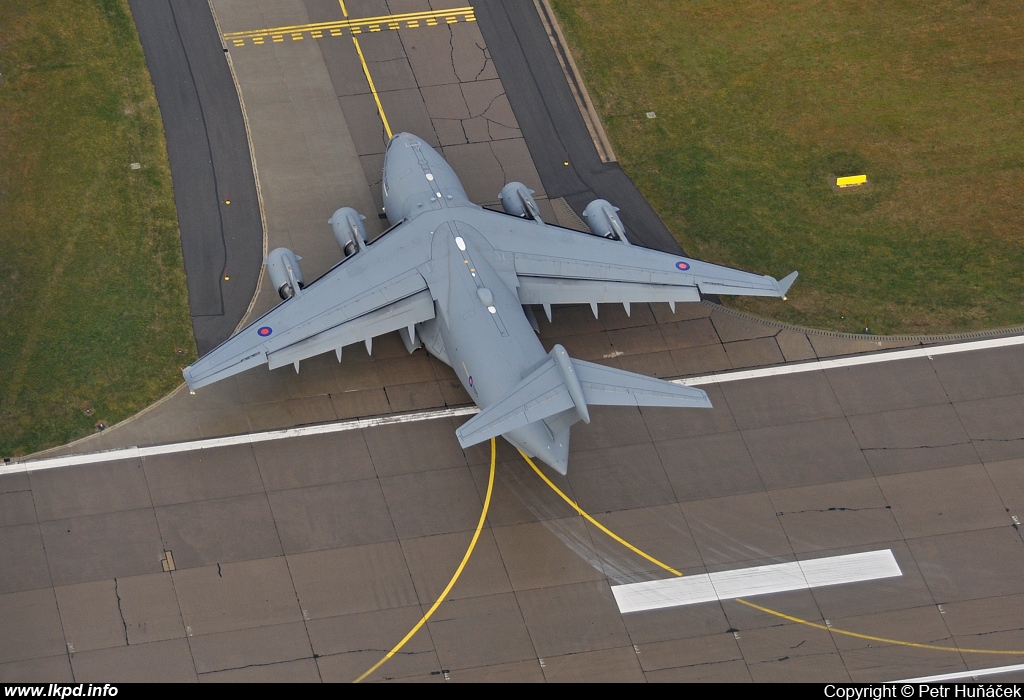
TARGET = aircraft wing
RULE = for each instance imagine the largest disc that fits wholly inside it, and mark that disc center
(374, 292)
(554, 265)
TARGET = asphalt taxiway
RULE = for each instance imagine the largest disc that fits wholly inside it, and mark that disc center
(214, 189)
(311, 555)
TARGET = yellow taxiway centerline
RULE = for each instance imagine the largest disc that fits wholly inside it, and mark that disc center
(373, 89)
(369, 78)
(455, 576)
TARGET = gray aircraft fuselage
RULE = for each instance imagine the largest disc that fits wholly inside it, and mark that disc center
(481, 330)
(459, 279)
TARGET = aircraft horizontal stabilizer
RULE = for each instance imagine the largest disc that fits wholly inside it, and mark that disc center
(562, 383)
(607, 386)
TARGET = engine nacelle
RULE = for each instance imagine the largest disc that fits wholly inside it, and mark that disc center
(285, 275)
(517, 200)
(603, 221)
(348, 230)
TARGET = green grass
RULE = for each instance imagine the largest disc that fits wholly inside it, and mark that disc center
(93, 301)
(758, 103)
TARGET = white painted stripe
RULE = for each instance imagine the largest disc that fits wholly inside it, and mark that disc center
(758, 580)
(133, 452)
(977, 673)
(852, 361)
(210, 443)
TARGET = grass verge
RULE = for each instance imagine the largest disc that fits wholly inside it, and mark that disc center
(758, 104)
(94, 321)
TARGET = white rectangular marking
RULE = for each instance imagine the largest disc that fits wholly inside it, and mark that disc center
(757, 580)
(976, 673)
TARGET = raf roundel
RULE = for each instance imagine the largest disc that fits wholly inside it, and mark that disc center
(682, 265)
(265, 331)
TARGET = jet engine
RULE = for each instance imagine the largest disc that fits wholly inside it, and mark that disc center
(285, 275)
(517, 200)
(603, 221)
(348, 230)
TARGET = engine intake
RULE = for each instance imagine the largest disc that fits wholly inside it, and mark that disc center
(603, 221)
(285, 275)
(517, 200)
(349, 231)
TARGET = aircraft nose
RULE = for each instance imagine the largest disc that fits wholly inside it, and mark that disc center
(403, 135)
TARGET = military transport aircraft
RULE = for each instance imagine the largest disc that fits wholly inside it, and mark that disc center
(459, 280)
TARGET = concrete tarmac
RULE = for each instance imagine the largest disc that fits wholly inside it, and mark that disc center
(309, 558)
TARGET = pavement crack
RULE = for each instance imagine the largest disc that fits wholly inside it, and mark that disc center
(504, 126)
(451, 53)
(487, 59)
(269, 663)
(504, 175)
(787, 657)
(939, 447)
(830, 509)
(915, 447)
(698, 665)
(1012, 629)
(219, 572)
(375, 651)
(485, 110)
(120, 612)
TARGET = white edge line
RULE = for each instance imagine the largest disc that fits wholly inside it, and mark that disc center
(209, 443)
(17, 467)
(964, 674)
(833, 363)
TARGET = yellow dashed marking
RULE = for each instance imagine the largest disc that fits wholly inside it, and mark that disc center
(318, 30)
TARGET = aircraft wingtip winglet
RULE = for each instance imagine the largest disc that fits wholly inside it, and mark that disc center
(786, 282)
(188, 379)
